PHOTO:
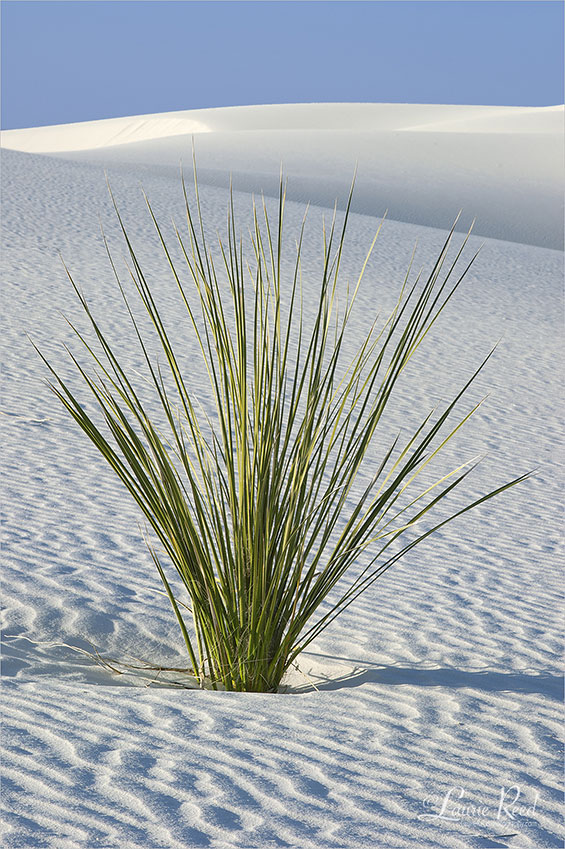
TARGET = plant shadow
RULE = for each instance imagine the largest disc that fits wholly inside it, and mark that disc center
(62, 660)
(487, 680)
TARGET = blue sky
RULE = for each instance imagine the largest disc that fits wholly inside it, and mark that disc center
(76, 61)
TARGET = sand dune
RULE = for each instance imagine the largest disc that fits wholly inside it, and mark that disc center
(501, 165)
(444, 680)
(353, 117)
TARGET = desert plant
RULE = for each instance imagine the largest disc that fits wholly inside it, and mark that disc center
(257, 510)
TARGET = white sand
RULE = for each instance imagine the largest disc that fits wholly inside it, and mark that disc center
(503, 165)
(445, 677)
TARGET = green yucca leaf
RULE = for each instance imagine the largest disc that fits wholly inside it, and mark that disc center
(255, 508)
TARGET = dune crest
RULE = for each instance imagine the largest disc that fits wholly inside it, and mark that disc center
(444, 681)
(502, 165)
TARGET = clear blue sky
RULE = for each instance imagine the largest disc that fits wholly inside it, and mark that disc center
(75, 61)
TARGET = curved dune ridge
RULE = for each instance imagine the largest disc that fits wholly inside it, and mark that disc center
(444, 680)
(501, 165)
(354, 117)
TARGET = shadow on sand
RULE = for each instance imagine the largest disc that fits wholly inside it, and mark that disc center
(61, 660)
(487, 680)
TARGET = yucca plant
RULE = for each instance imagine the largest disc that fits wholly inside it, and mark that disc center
(257, 509)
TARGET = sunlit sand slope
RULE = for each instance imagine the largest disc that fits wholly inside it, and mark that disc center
(502, 165)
